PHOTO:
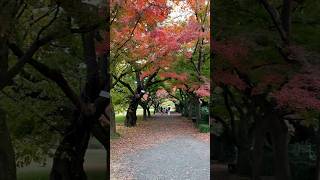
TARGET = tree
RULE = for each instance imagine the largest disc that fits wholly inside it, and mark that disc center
(54, 25)
(253, 70)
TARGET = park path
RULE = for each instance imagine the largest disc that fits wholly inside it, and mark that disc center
(160, 148)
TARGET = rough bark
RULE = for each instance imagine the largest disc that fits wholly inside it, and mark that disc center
(257, 152)
(131, 117)
(7, 156)
(318, 161)
(113, 127)
(318, 152)
(190, 108)
(148, 111)
(198, 111)
(69, 156)
(68, 160)
(280, 149)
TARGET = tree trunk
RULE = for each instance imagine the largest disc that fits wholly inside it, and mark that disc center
(244, 152)
(318, 157)
(69, 156)
(131, 117)
(144, 113)
(257, 152)
(148, 111)
(113, 125)
(279, 133)
(190, 109)
(198, 111)
(318, 151)
(7, 155)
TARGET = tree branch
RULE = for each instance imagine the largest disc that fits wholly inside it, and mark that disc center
(126, 85)
(52, 74)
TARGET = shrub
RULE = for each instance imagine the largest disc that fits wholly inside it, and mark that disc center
(204, 114)
(204, 128)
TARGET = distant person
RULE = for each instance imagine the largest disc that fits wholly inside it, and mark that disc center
(169, 110)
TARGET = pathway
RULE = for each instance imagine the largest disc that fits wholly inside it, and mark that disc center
(163, 147)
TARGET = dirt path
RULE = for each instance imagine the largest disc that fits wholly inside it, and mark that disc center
(163, 147)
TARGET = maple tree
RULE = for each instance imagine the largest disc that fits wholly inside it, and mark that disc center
(262, 82)
(38, 39)
(146, 49)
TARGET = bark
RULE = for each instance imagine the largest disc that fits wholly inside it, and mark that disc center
(113, 128)
(131, 117)
(69, 156)
(198, 111)
(257, 152)
(68, 160)
(244, 144)
(144, 111)
(7, 155)
(148, 111)
(279, 134)
(190, 108)
(3, 58)
(318, 152)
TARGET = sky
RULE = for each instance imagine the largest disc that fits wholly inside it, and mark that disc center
(180, 12)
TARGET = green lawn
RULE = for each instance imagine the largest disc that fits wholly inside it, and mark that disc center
(120, 117)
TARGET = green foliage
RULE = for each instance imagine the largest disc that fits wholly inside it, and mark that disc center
(204, 114)
(204, 128)
(216, 128)
(302, 160)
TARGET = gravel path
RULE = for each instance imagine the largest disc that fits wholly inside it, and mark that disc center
(182, 158)
(162, 148)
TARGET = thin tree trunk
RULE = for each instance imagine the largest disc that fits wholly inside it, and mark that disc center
(148, 111)
(198, 111)
(7, 155)
(144, 113)
(113, 125)
(190, 109)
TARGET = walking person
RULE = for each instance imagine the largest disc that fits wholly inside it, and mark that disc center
(169, 110)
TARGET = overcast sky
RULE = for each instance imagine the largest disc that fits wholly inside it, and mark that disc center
(178, 14)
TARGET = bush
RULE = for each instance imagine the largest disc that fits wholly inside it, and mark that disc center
(204, 114)
(302, 161)
(204, 128)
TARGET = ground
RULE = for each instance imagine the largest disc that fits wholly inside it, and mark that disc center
(162, 147)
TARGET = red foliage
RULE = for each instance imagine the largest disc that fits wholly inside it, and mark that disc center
(180, 77)
(228, 78)
(162, 93)
(203, 90)
(302, 92)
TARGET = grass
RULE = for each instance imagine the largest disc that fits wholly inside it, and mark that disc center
(120, 117)
(204, 128)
